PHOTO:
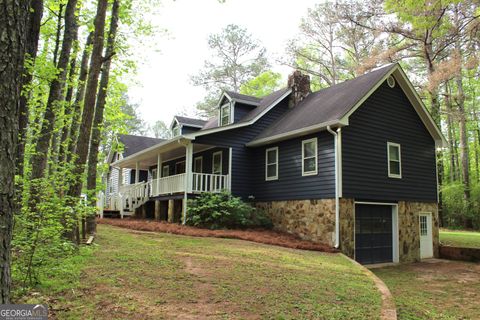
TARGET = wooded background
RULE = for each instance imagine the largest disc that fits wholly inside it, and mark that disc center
(74, 99)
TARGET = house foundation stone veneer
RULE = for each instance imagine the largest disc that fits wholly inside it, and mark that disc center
(309, 219)
(409, 229)
(315, 220)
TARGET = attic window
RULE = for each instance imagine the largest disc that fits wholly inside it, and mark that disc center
(225, 114)
(391, 82)
(176, 131)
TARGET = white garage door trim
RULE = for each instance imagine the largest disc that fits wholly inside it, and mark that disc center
(395, 242)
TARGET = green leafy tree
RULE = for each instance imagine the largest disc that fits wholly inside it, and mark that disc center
(236, 58)
(160, 130)
(262, 85)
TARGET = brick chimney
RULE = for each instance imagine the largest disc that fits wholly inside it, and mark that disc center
(300, 85)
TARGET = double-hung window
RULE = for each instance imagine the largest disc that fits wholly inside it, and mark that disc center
(271, 164)
(165, 171)
(225, 114)
(198, 165)
(309, 157)
(217, 163)
(176, 131)
(394, 158)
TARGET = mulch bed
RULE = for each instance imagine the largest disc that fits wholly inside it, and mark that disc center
(261, 236)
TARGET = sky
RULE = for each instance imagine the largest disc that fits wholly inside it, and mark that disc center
(162, 87)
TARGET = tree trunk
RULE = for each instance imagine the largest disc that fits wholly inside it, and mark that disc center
(77, 105)
(68, 107)
(13, 22)
(464, 152)
(450, 135)
(100, 107)
(31, 47)
(39, 159)
(89, 103)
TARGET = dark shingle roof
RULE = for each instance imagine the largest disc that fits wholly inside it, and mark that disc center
(326, 105)
(244, 97)
(191, 121)
(264, 103)
(133, 144)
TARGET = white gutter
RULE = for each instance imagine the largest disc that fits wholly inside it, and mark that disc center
(337, 191)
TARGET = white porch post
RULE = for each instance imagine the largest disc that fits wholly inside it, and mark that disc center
(137, 172)
(159, 171)
(229, 169)
(188, 177)
(120, 198)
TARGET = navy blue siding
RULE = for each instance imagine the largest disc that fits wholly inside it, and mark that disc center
(143, 177)
(242, 157)
(186, 129)
(291, 185)
(387, 115)
(240, 110)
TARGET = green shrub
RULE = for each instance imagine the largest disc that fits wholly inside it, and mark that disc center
(456, 210)
(224, 211)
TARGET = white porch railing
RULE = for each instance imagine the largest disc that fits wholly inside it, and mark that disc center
(208, 182)
(168, 185)
(132, 196)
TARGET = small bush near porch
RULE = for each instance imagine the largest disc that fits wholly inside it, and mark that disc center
(224, 211)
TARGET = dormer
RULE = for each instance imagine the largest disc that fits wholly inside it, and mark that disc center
(183, 125)
(233, 106)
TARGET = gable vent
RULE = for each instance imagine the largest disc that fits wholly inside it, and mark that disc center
(391, 81)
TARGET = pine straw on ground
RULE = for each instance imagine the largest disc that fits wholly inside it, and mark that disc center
(258, 235)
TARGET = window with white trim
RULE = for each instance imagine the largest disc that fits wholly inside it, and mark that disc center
(165, 171)
(217, 163)
(309, 157)
(394, 158)
(176, 131)
(271, 164)
(225, 114)
(198, 165)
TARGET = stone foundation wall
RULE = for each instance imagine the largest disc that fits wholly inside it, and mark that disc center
(409, 229)
(309, 219)
(347, 227)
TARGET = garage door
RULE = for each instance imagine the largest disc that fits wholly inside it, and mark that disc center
(373, 233)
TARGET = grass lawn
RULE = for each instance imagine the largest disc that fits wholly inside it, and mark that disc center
(139, 275)
(466, 239)
(434, 290)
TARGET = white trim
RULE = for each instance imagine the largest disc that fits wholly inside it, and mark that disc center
(221, 162)
(195, 164)
(337, 186)
(241, 124)
(230, 161)
(394, 175)
(395, 232)
(154, 147)
(163, 170)
(237, 100)
(340, 162)
(294, 133)
(229, 104)
(310, 173)
(275, 177)
(391, 81)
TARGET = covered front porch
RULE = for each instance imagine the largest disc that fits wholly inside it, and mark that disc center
(177, 169)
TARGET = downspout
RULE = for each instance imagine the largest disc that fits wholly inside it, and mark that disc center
(337, 191)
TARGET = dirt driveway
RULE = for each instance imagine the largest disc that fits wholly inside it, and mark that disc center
(434, 289)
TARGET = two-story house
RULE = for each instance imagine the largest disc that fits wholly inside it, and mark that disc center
(352, 165)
